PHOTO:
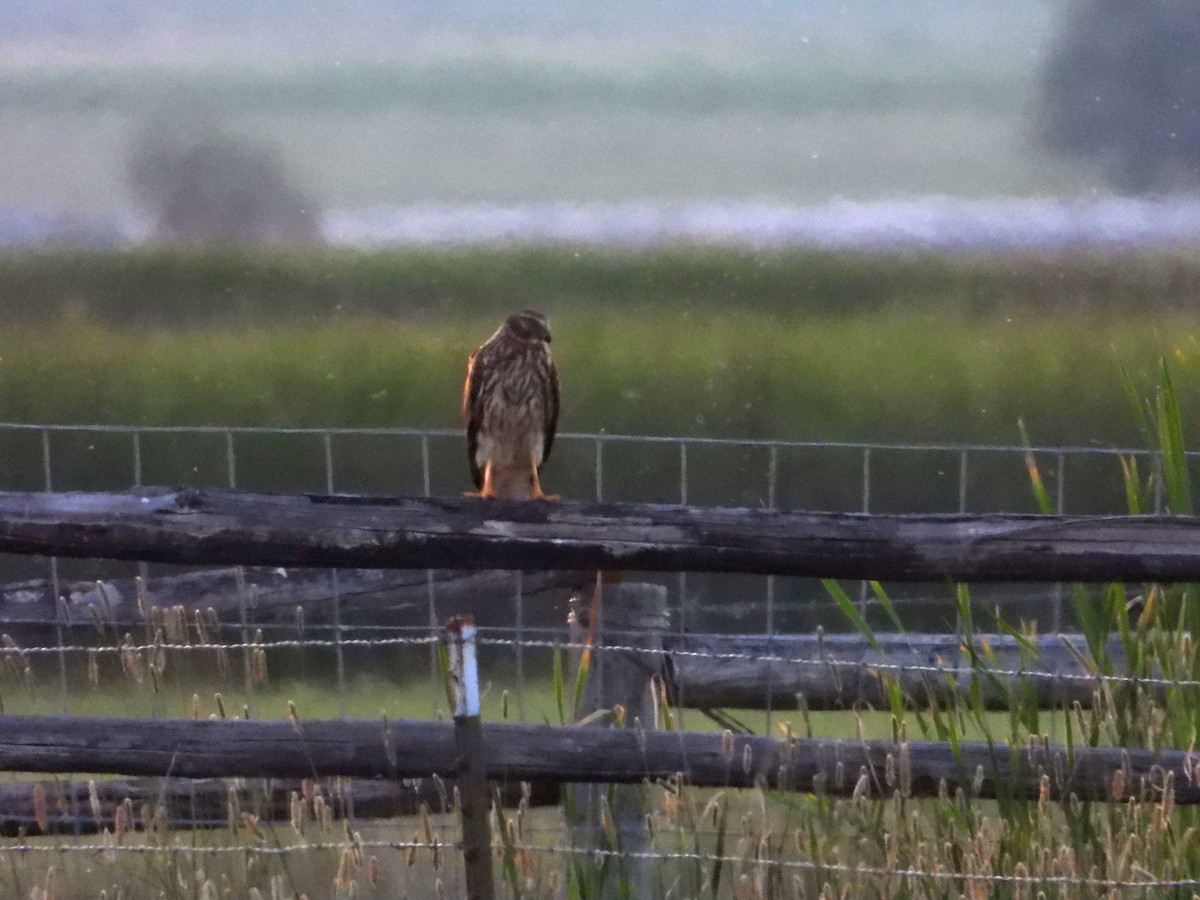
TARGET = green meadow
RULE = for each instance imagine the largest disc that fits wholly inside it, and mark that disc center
(703, 342)
(687, 341)
(690, 340)
(796, 345)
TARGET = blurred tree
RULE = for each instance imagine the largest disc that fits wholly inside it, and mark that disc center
(213, 188)
(1122, 88)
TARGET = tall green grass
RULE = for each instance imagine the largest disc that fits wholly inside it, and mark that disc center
(1134, 835)
(889, 376)
(652, 344)
(704, 341)
(767, 844)
(180, 288)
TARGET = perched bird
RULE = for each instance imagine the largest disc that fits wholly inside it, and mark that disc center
(510, 404)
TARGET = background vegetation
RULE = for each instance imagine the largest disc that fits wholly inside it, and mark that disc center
(940, 99)
(692, 341)
(468, 103)
(1120, 87)
(795, 345)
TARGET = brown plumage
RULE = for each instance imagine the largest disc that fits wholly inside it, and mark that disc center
(510, 404)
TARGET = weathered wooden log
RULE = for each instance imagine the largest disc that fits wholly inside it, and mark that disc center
(617, 679)
(272, 594)
(840, 671)
(200, 526)
(66, 807)
(409, 749)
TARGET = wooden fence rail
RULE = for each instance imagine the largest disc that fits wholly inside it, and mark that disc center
(271, 594)
(841, 671)
(745, 671)
(187, 748)
(82, 807)
(212, 527)
(208, 527)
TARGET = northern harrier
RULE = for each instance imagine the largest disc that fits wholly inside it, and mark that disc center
(510, 404)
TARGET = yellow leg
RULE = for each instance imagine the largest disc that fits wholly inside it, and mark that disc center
(537, 485)
(488, 490)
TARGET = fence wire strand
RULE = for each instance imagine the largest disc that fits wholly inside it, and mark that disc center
(791, 865)
(523, 642)
(767, 484)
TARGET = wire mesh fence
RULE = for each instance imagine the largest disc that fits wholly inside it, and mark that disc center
(829, 476)
(101, 654)
(835, 476)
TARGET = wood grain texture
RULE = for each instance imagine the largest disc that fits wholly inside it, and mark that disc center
(358, 748)
(612, 817)
(271, 594)
(199, 526)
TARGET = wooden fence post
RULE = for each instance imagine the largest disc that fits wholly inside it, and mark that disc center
(635, 616)
(474, 797)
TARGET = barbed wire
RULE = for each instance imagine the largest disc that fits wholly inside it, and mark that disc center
(825, 662)
(295, 643)
(523, 638)
(797, 865)
(901, 668)
(872, 871)
(255, 849)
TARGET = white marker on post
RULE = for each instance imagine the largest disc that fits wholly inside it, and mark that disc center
(464, 666)
(476, 803)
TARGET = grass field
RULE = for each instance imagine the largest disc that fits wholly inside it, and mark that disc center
(797, 345)
(893, 376)
(228, 287)
(716, 844)
(693, 341)
(785, 345)
(686, 341)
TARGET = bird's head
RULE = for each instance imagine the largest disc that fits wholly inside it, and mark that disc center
(529, 325)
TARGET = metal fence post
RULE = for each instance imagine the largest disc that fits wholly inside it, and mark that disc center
(472, 763)
(634, 616)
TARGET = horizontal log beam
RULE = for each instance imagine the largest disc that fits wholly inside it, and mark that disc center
(208, 527)
(409, 749)
(270, 594)
(66, 807)
(841, 671)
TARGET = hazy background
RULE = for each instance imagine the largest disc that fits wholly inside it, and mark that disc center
(444, 121)
(830, 223)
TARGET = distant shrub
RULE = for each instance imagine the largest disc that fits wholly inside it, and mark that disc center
(219, 189)
(1122, 88)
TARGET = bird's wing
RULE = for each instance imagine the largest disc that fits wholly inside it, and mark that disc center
(470, 395)
(550, 424)
(471, 414)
